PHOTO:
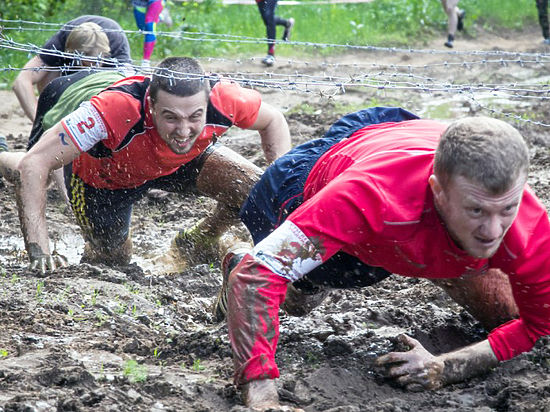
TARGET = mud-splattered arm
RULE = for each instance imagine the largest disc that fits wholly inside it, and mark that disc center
(257, 287)
(417, 369)
(51, 152)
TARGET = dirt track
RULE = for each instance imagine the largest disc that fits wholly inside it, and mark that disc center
(141, 337)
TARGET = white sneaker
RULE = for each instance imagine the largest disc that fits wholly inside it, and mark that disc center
(268, 60)
(165, 17)
(288, 29)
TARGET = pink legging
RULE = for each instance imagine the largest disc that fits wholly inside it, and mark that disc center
(147, 22)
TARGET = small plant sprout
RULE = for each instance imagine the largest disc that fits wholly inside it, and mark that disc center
(101, 372)
(101, 318)
(131, 288)
(3, 353)
(197, 367)
(121, 308)
(14, 279)
(95, 294)
(134, 371)
(39, 288)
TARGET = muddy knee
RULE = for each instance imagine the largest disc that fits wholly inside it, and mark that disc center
(96, 253)
(227, 177)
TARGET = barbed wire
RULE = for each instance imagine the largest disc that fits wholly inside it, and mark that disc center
(324, 79)
(222, 37)
(327, 85)
(307, 83)
(405, 67)
(508, 115)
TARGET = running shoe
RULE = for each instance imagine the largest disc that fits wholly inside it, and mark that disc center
(288, 29)
(449, 42)
(268, 60)
(300, 303)
(195, 247)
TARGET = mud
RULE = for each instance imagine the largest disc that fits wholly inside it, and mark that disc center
(141, 337)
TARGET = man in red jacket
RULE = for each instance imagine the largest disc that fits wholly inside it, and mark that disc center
(385, 192)
(135, 135)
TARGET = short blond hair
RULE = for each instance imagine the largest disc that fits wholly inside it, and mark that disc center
(88, 39)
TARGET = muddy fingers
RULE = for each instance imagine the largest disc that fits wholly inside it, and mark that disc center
(46, 263)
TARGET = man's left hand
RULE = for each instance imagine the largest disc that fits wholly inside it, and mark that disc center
(416, 369)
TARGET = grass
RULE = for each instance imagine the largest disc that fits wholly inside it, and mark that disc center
(134, 371)
(381, 23)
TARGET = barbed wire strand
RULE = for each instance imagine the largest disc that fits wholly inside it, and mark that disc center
(222, 37)
(332, 84)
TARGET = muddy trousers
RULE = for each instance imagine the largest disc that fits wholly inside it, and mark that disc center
(542, 8)
(271, 21)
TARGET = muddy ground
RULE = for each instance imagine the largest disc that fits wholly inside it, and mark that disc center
(141, 337)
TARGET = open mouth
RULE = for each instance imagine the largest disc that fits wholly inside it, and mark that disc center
(487, 243)
(181, 143)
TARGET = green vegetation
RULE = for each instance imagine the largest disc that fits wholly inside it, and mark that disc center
(39, 289)
(197, 367)
(380, 23)
(134, 371)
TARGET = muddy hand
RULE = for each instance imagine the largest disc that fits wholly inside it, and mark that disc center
(44, 262)
(416, 369)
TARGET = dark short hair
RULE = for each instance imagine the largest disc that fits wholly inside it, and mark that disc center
(487, 151)
(181, 76)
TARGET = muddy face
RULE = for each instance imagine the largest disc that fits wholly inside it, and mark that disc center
(179, 120)
(476, 219)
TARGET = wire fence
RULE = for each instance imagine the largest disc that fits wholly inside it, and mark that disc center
(333, 78)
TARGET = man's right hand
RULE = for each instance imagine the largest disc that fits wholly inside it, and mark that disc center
(43, 261)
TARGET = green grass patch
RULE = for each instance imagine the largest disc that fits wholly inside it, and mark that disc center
(134, 371)
(408, 23)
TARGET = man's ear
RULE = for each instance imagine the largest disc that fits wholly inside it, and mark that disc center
(437, 189)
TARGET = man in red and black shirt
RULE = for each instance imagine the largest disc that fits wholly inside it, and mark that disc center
(139, 134)
(385, 192)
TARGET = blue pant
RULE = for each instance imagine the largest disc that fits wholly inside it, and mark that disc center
(280, 191)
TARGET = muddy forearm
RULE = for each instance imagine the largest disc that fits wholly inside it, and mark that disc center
(467, 362)
(31, 203)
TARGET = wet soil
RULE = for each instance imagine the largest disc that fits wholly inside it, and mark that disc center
(141, 337)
